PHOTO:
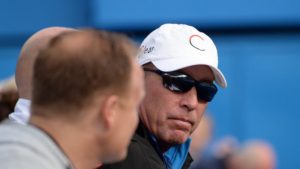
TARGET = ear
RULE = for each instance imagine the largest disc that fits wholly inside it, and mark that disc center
(109, 110)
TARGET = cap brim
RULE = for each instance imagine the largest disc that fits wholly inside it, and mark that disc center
(219, 77)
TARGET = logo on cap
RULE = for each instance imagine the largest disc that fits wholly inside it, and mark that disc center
(147, 49)
(197, 42)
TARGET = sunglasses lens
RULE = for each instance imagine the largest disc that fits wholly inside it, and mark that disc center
(178, 84)
(206, 91)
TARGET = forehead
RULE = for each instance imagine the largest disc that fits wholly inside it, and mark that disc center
(199, 72)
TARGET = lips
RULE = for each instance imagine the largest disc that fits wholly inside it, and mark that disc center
(181, 124)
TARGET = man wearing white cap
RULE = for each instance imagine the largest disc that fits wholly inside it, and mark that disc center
(181, 66)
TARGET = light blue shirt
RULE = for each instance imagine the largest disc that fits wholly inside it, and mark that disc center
(176, 155)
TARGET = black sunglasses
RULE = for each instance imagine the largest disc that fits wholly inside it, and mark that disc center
(181, 83)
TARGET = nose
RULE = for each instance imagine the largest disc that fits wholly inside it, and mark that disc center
(189, 99)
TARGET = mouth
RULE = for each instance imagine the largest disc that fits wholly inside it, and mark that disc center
(181, 124)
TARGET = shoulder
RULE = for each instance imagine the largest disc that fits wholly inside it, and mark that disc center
(25, 147)
(20, 136)
(15, 155)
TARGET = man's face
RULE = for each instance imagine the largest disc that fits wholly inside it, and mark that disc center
(127, 119)
(171, 116)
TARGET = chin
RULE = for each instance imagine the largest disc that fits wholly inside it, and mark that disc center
(176, 140)
(180, 137)
(179, 141)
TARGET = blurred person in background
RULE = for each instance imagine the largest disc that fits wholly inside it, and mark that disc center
(201, 137)
(24, 70)
(87, 86)
(218, 155)
(8, 97)
(181, 66)
(8, 84)
(208, 154)
(255, 154)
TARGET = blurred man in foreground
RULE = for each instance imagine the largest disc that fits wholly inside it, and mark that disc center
(86, 89)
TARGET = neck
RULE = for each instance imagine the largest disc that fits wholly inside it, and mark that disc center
(74, 140)
(163, 146)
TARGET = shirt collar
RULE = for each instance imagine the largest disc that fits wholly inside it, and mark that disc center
(22, 111)
(175, 156)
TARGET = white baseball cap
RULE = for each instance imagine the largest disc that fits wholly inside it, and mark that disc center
(175, 46)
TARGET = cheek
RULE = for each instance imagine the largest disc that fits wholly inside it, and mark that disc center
(153, 113)
(160, 99)
(158, 105)
(198, 114)
(200, 111)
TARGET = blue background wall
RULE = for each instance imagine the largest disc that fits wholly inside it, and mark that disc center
(19, 19)
(258, 43)
(207, 13)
